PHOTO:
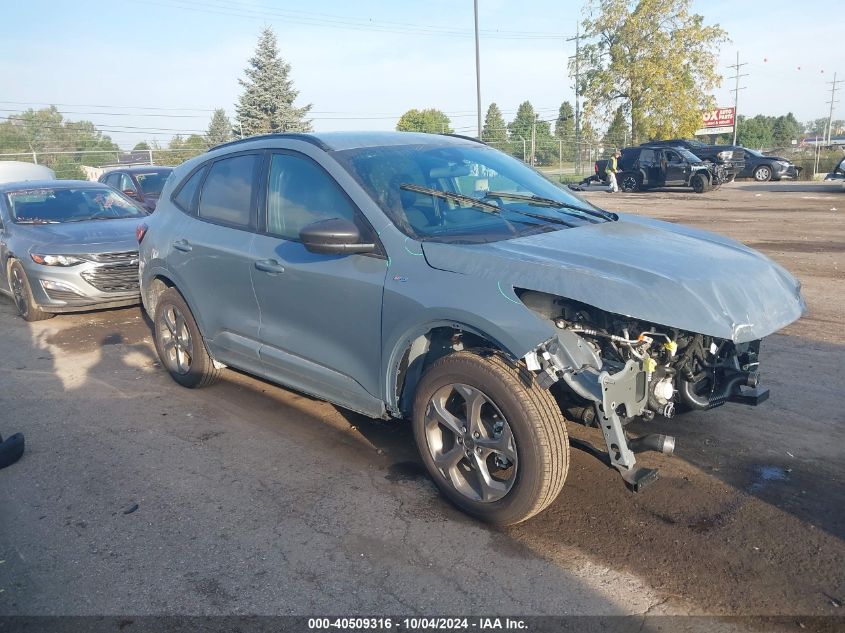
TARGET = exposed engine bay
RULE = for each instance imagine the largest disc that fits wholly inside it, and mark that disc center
(607, 370)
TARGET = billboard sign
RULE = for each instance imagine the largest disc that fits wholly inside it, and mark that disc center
(718, 121)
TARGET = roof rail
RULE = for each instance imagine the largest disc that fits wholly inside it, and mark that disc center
(299, 136)
(464, 137)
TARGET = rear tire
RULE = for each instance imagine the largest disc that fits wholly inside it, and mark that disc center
(22, 295)
(763, 173)
(179, 343)
(630, 183)
(494, 442)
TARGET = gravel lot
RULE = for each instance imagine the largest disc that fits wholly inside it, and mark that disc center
(252, 499)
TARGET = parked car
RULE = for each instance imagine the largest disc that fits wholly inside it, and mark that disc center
(838, 173)
(434, 278)
(67, 246)
(717, 154)
(762, 168)
(18, 171)
(649, 166)
(141, 183)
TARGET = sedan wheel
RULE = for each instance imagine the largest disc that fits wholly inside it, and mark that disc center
(22, 295)
(763, 173)
(176, 341)
(471, 443)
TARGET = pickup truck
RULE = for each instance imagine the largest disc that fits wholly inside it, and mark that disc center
(649, 166)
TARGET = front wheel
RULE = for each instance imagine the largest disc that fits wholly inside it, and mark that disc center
(22, 294)
(179, 343)
(494, 442)
(699, 183)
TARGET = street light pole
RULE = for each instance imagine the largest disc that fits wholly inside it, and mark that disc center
(477, 70)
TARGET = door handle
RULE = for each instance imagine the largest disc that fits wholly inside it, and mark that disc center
(182, 245)
(269, 266)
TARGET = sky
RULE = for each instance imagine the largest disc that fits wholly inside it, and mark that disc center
(148, 69)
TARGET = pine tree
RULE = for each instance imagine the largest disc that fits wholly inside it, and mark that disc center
(266, 104)
(565, 124)
(494, 130)
(220, 128)
(616, 135)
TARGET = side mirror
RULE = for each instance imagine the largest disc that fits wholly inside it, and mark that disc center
(130, 192)
(335, 236)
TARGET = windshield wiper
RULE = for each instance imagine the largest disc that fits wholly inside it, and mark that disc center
(549, 202)
(546, 218)
(448, 195)
(36, 222)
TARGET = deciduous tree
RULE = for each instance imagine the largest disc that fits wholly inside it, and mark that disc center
(656, 58)
(429, 120)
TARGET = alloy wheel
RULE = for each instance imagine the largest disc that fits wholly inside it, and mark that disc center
(175, 340)
(471, 442)
(763, 174)
(18, 290)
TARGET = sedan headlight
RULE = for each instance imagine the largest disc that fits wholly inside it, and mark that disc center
(55, 260)
(783, 163)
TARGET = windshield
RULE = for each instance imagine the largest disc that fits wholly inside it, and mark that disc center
(466, 193)
(688, 155)
(152, 182)
(57, 205)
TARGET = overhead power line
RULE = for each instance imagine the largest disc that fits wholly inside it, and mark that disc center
(736, 90)
(257, 12)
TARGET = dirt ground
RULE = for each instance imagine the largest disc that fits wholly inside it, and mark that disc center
(252, 499)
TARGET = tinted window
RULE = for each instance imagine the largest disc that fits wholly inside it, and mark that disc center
(300, 193)
(152, 182)
(126, 183)
(672, 157)
(188, 193)
(111, 180)
(647, 156)
(227, 192)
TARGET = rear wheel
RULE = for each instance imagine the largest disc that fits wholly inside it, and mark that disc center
(763, 173)
(179, 343)
(630, 183)
(494, 442)
(22, 294)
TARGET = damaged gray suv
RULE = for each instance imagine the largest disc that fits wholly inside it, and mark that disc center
(434, 278)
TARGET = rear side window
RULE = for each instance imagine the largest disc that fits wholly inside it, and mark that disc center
(226, 194)
(187, 196)
(647, 156)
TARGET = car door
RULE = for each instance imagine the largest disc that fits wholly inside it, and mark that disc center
(210, 255)
(4, 247)
(320, 325)
(675, 168)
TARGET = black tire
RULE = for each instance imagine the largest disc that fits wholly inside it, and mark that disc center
(762, 173)
(525, 414)
(630, 182)
(22, 295)
(699, 183)
(179, 342)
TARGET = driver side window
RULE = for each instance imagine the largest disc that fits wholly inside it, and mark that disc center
(301, 192)
(126, 183)
(672, 157)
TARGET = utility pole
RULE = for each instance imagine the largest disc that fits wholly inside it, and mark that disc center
(833, 90)
(736, 90)
(577, 39)
(534, 138)
(524, 157)
(477, 70)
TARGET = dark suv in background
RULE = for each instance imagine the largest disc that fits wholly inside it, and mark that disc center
(733, 162)
(650, 166)
(141, 183)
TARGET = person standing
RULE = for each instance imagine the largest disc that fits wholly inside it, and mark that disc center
(612, 169)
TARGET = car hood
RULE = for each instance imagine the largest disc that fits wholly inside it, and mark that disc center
(663, 273)
(75, 238)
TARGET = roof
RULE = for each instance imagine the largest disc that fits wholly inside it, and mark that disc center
(6, 187)
(339, 141)
(134, 169)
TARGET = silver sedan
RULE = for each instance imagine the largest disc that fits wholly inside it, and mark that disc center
(67, 246)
